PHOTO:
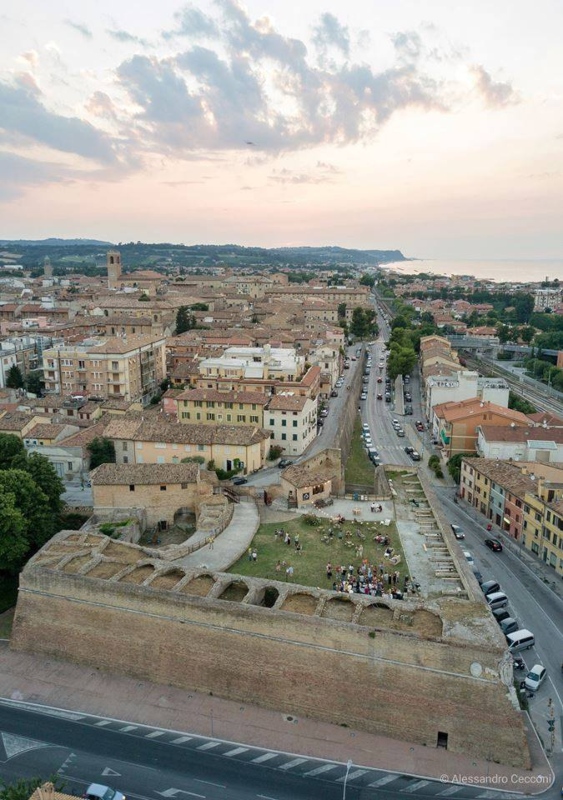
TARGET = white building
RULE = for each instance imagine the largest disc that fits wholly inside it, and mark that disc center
(292, 422)
(520, 444)
(262, 363)
(463, 385)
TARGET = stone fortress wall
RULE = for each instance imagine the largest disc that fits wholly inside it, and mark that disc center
(405, 669)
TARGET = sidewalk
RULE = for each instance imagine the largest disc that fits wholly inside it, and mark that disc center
(30, 678)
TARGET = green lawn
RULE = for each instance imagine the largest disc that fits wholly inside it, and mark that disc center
(359, 468)
(310, 565)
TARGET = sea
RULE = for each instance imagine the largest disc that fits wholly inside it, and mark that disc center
(500, 271)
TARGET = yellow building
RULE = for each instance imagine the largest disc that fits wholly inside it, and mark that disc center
(155, 441)
(127, 368)
(210, 407)
(543, 524)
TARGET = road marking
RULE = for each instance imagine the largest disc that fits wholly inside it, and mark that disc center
(210, 783)
(264, 757)
(382, 781)
(154, 734)
(208, 745)
(266, 797)
(320, 770)
(416, 785)
(102, 723)
(174, 792)
(294, 763)
(112, 772)
(14, 745)
(450, 790)
(181, 739)
(236, 751)
(128, 728)
(352, 775)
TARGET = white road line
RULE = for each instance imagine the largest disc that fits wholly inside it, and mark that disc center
(352, 776)
(103, 722)
(320, 770)
(294, 763)
(264, 757)
(236, 751)
(450, 790)
(383, 781)
(208, 745)
(154, 734)
(128, 728)
(415, 786)
(181, 739)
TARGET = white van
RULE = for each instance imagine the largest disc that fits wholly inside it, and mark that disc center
(497, 600)
(520, 640)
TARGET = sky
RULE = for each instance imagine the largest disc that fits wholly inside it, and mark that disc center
(435, 128)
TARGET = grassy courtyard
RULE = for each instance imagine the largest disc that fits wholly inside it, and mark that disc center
(318, 547)
(359, 469)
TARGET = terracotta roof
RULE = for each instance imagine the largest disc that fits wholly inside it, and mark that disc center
(144, 474)
(302, 476)
(15, 421)
(505, 474)
(285, 402)
(474, 406)
(45, 430)
(84, 437)
(506, 433)
(137, 428)
(551, 419)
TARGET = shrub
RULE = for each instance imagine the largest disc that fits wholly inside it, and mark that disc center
(433, 461)
(312, 520)
(438, 472)
(275, 452)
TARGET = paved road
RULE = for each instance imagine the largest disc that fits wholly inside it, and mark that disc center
(150, 763)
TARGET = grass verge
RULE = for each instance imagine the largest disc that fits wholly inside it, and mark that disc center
(359, 469)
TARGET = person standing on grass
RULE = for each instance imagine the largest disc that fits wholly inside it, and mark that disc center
(329, 570)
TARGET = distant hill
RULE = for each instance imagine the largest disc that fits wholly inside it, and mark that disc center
(55, 242)
(89, 254)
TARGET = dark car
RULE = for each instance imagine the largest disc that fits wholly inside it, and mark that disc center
(239, 481)
(415, 455)
(494, 544)
(458, 533)
(380, 396)
(419, 425)
(334, 393)
(409, 450)
(284, 462)
(500, 614)
(509, 625)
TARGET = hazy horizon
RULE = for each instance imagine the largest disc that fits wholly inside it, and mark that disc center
(434, 130)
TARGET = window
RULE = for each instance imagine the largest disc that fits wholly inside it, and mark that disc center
(201, 447)
(115, 365)
(253, 418)
(183, 486)
(210, 404)
(210, 417)
(163, 488)
(161, 445)
(241, 417)
(294, 437)
(131, 487)
(69, 466)
(295, 423)
(185, 414)
(284, 437)
(284, 423)
(229, 417)
(272, 421)
(125, 459)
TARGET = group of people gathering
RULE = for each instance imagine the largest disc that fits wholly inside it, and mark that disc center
(370, 579)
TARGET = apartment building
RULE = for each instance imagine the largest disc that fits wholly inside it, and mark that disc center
(292, 422)
(211, 407)
(126, 368)
(521, 444)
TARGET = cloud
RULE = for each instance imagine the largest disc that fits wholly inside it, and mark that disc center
(19, 173)
(194, 23)
(124, 36)
(25, 119)
(331, 33)
(495, 94)
(257, 85)
(100, 105)
(322, 173)
(82, 29)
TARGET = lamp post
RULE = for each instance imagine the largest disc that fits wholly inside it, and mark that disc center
(348, 765)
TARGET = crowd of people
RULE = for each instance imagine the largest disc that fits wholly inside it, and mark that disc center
(370, 579)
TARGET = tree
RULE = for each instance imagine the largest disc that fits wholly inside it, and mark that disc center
(527, 333)
(34, 382)
(184, 320)
(200, 307)
(33, 504)
(10, 447)
(14, 378)
(454, 464)
(44, 476)
(14, 544)
(102, 451)
(367, 280)
(23, 788)
(341, 311)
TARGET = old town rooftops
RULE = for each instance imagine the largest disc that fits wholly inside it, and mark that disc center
(144, 474)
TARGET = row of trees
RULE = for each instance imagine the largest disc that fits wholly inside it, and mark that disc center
(30, 503)
(33, 381)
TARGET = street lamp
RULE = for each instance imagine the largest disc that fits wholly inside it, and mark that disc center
(348, 765)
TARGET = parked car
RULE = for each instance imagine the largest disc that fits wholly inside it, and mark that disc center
(494, 544)
(509, 625)
(415, 455)
(365, 426)
(324, 413)
(408, 411)
(395, 423)
(97, 791)
(489, 587)
(419, 425)
(535, 677)
(284, 462)
(387, 398)
(497, 600)
(363, 396)
(334, 393)
(458, 533)
(380, 379)
(409, 450)
(400, 433)
(469, 557)
(500, 614)
(239, 481)
(379, 396)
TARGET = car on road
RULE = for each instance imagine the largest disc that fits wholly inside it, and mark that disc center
(497, 600)
(458, 533)
(387, 398)
(419, 425)
(365, 426)
(408, 411)
(400, 433)
(353, 358)
(409, 449)
(97, 791)
(509, 625)
(415, 455)
(494, 544)
(489, 587)
(284, 462)
(324, 413)
(408, 397)
(379, 396)
(395, 423)
(239, 481)
(363, 396)
(469, 557)
(500, 614)
(535, 677)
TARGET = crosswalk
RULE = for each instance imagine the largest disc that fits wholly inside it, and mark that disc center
(301, 766)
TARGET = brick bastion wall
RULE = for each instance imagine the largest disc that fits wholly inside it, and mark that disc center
(403, 669)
